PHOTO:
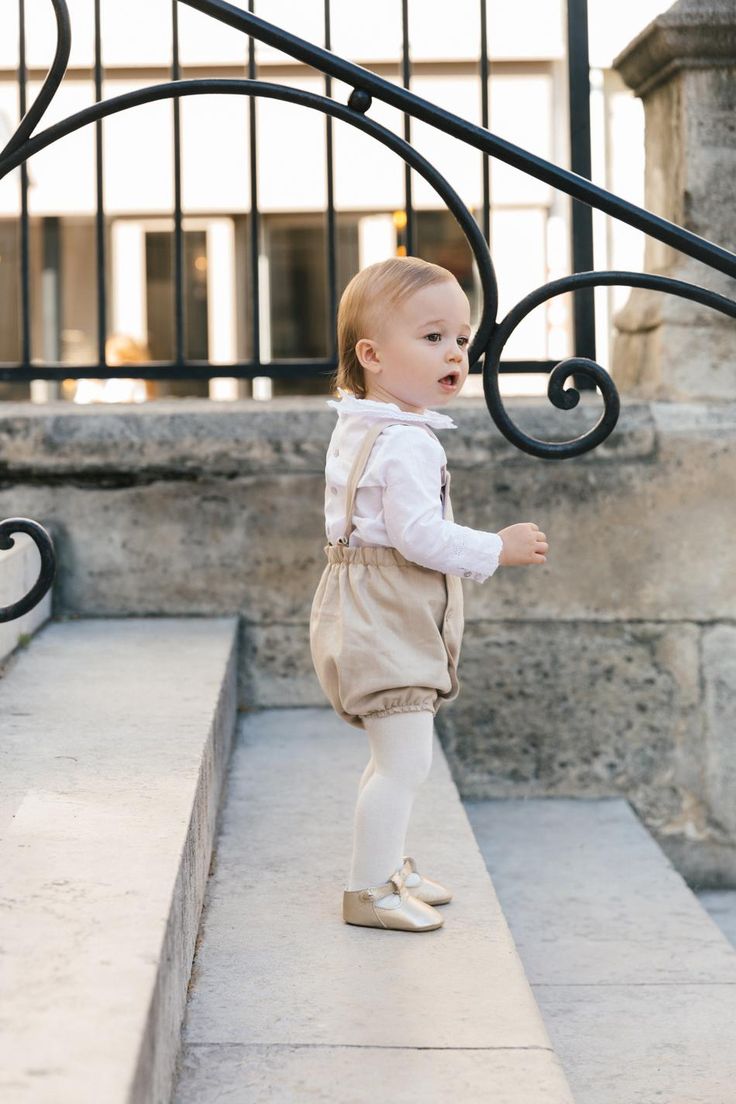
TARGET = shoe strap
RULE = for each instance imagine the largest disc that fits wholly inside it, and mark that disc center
(395, 884)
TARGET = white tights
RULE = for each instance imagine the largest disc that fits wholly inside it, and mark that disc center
(401, 755)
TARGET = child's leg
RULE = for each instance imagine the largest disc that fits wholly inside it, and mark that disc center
(412, 879)
(401, 746)
(369, 769)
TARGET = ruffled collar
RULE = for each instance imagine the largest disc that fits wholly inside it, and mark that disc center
(374, 408)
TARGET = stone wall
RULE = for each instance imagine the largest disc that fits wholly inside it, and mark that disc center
(611, 669)
(683, 67)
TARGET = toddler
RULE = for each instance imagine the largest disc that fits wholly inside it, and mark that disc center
(386, 621)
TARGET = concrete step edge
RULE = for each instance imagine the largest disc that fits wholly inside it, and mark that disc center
(610, 933)
(117, 734)
(274, 922)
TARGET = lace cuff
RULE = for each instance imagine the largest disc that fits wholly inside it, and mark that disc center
(474, 554)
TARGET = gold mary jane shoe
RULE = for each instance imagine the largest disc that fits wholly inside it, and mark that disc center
(429, 891)
(359, 907)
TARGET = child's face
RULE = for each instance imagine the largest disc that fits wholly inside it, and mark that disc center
(420, 342)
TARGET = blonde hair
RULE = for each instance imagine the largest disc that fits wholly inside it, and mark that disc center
(366, 300)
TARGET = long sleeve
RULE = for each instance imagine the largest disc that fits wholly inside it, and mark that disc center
(411, 463)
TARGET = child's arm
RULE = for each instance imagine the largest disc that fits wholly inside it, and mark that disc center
(412, 510)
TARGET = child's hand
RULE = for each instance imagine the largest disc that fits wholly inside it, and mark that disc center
(523, 543)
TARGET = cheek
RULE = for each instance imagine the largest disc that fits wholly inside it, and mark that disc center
(419, 348)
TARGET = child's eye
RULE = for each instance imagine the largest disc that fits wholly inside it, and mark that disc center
(464, 340)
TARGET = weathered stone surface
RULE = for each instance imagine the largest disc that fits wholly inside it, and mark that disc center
(171, 439)
(115, 738)
(634, 979)
(587, 674)
(584, 709)
(683, 65)
(719, 691)
(689, 34)
(279, 977)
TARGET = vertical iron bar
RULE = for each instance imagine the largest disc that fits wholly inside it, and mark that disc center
(484, 121)
(254, 218)
(581, 226)
(178, 249)
(24, 247)
(406, 79)
(100, 215)
(331, 248)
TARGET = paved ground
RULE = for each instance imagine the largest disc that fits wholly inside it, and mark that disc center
(721, 905)
(636, 982)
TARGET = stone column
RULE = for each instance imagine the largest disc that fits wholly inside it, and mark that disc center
(683, 66)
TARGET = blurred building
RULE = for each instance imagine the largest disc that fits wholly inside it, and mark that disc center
(529, 219)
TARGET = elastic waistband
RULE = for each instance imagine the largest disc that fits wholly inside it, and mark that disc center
(370, 554)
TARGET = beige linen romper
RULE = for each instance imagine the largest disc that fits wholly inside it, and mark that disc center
(385, 632)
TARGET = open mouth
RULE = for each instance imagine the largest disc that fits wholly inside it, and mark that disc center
(450, 380)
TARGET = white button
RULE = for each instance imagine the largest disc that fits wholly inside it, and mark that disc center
(467, 574)
(334, 490)
(336, 452)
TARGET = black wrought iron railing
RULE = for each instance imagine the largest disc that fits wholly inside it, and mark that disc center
(183, 365)
(491, 335)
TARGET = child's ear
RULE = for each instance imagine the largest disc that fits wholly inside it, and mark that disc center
(366, 352)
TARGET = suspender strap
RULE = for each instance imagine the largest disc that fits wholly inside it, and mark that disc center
(355, 473)
(357, 470)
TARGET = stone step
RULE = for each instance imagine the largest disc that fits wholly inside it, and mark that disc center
(19, 567)
(114, 738)
(636, 982)
(288, 1003)
(720, 904)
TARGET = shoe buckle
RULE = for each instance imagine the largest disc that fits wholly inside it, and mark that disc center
(398, 881)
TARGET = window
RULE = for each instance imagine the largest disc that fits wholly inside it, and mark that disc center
(159, 254)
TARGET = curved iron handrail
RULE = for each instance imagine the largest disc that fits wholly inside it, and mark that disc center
(47, 571)
(577, 186)
(568, 398)
(30, 120)
(491, 336)
(351, 113)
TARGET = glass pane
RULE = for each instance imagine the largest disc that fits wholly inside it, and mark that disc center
(243, 288)
(297, 286)
(195, 294)
(160, 294)
(440, 240)
(348, 250)
(10, 290)
(78, 258)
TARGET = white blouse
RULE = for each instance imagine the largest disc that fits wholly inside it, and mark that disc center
(398, 497)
